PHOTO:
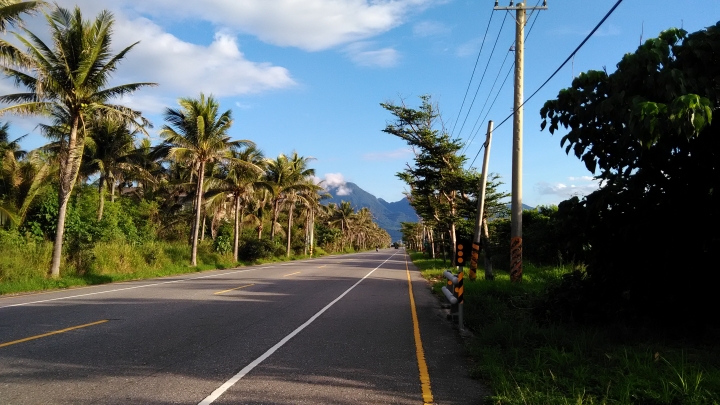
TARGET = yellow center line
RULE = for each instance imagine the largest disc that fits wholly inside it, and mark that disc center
(422, 366)
(292, 274)
(233, 289)
(322, 266)
(51, 333)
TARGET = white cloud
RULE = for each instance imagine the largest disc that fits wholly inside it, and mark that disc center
(186, 69)
(391, 155)
(362, 55)
(182, 69)
(584, 185)
(335, 181)
(311, 25)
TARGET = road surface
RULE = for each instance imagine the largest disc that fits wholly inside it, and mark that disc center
(331, 330)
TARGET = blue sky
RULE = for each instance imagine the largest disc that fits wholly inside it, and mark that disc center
(308, 75)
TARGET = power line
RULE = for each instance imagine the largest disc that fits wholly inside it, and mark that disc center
(565, 62)
(483, 76)
(474, 131)
(473, 72)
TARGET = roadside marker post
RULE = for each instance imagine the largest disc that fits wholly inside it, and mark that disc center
(456, 297)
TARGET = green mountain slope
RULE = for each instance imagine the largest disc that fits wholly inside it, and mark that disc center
(388, 215)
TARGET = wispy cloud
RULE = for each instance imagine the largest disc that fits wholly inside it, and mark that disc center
(430, 28)
(362, 54)
(311, 25)
(390, 155)
(580, 186)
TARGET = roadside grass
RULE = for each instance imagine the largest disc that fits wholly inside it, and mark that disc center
(527, 360)
(24, 263)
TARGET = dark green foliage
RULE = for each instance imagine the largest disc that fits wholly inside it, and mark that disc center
(255, 249)
(325, 235)
(646, 131)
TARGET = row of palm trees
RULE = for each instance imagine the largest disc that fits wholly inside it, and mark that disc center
(197, 165)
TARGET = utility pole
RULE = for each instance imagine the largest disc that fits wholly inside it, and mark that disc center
(476, 245)
(516, 202)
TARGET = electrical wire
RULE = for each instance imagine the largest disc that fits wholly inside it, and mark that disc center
(483, 76)
(609, 13)
(473, 72)
(475, 130)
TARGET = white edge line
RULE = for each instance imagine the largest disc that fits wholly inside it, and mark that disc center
(129, 288)
(229, 383)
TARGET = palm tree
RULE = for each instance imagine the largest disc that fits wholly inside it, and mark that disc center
(109, 149)
(238, 179)
(303, 197)
(67, 82)
(196, 133)
(10, 11)
(286, 174)
(342, 216)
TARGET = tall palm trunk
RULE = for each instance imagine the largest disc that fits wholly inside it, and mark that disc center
(101, 191)
(312, 232)
(276, 213)
(112, 188)
(236, 231)
(198, 209)
(68, 175)
(289, 233)
(307, 233)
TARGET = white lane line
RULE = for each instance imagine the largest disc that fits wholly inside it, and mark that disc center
(229, 383)
(128, 288)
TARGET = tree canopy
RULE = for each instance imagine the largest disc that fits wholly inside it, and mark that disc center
(646, 132)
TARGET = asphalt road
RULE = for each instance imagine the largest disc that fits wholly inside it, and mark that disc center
(332, 330)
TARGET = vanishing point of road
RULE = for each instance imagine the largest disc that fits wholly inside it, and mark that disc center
(351, 329)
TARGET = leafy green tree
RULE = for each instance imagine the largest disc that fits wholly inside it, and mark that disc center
(69, 83)
(197, 133)
(645, 131)
(442, 192)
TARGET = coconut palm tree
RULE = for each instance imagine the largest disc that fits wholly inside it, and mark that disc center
(109, 149)
(68, 82)
(342, 215)
(237, 180)
(299, 197)
(197, 133)
(10, 11)
(286, 174)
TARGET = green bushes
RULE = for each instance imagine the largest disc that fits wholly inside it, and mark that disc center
(256, 249)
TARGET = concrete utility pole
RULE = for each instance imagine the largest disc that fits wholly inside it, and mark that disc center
(474, 255)
(516, 203)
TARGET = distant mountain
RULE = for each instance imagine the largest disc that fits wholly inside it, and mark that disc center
(388, 215)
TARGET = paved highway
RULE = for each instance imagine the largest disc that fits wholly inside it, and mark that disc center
(331, 330)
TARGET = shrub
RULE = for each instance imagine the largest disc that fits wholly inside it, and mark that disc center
(255, 249)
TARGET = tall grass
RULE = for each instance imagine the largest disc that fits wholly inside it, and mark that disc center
(525, 359)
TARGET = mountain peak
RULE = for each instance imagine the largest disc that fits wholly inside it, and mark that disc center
(388, 215)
